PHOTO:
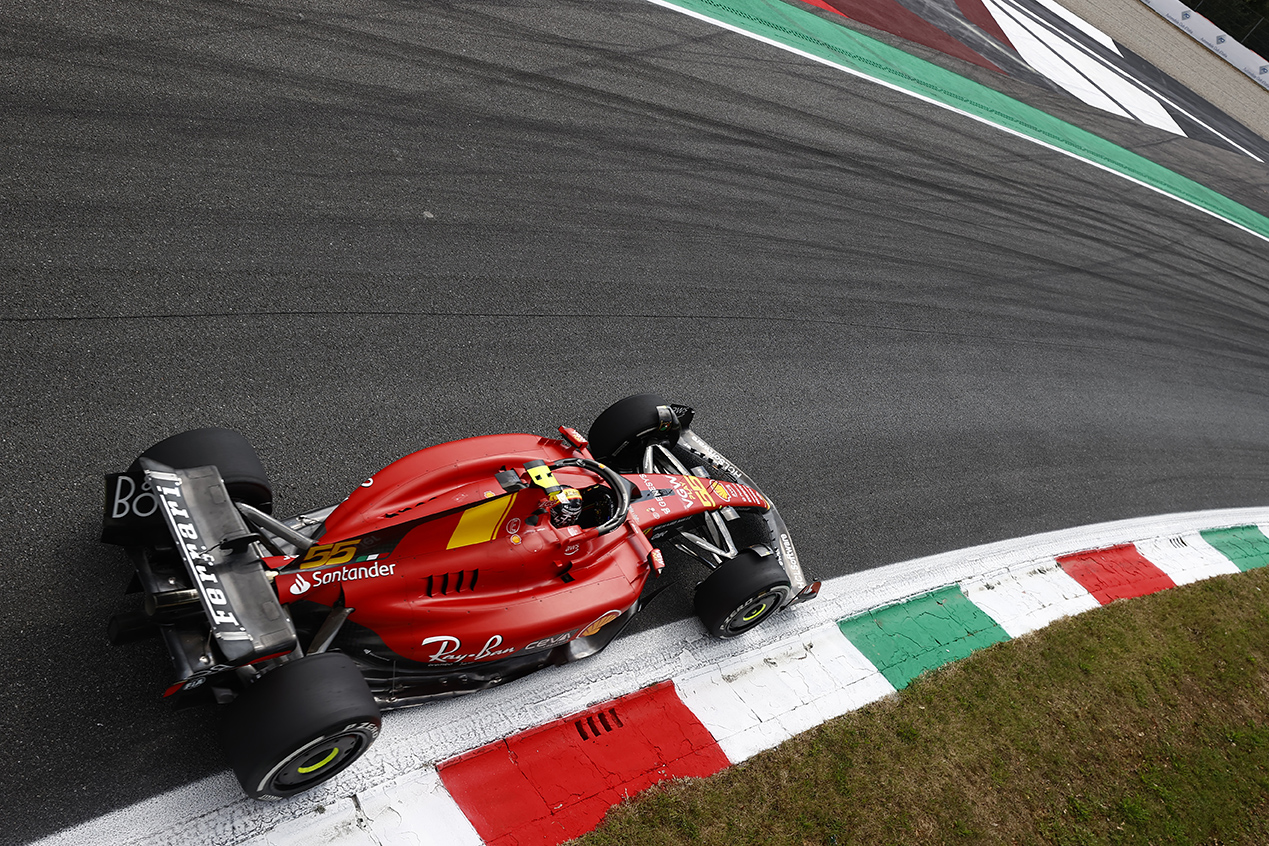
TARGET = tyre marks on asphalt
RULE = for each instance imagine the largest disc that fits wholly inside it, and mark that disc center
(809, 35)
(1042, 37)
(395, 377)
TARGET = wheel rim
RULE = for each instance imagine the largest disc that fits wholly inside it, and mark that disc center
(318, 761)
(753, 611)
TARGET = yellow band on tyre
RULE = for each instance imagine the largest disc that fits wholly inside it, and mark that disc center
(319, 764)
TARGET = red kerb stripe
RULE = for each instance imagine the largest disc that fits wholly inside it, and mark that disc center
(896, 19)
(555, 782)
(1117, 572)
(976, 13)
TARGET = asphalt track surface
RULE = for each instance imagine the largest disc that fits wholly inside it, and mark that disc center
(353, 230)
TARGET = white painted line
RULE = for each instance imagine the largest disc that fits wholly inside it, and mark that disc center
(1046, 61)
(669, 4)
(1080, 73)
(1030, 596)
(1147, 89)
(1080, 24)
(757, 700)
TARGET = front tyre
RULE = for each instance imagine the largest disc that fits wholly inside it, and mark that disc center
(621, 433)
(741, 593)
(299, 725)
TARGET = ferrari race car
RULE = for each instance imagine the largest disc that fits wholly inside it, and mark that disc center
(458, 567)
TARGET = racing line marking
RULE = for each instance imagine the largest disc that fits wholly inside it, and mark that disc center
(804, 34)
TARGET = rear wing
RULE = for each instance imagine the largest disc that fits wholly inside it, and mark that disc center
(211, 538)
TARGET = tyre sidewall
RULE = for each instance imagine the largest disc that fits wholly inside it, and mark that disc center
(620, 433)
(778, 595)
(293, 709)
(735, 587)
(366, 731)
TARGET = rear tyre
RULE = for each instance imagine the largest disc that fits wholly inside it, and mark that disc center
(741, 593)
(226, 450)
(621, 433)
(299, 725)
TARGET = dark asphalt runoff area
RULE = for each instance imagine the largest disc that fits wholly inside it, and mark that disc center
(351, 230)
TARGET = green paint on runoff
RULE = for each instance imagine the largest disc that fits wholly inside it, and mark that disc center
(1246, 546)
(802, 30)
(906, 639)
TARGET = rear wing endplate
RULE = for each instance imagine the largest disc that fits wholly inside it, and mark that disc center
(210, 536)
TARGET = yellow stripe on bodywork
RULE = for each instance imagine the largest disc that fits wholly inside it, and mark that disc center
(480, 523)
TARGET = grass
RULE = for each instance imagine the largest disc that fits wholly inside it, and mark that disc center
(1144, 722)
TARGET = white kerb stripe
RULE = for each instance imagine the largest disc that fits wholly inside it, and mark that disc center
(415, 808)
(1185, 557)
(758, 700)
(1029, 597)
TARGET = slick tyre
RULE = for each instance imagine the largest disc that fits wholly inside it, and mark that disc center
(619, 435)
(226, 450)
(741, 594)
(299, 725)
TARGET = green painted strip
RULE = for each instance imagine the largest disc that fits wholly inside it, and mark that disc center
(1246, 546)
(906, 639)
(797, 29)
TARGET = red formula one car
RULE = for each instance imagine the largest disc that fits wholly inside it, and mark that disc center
(456, 568)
